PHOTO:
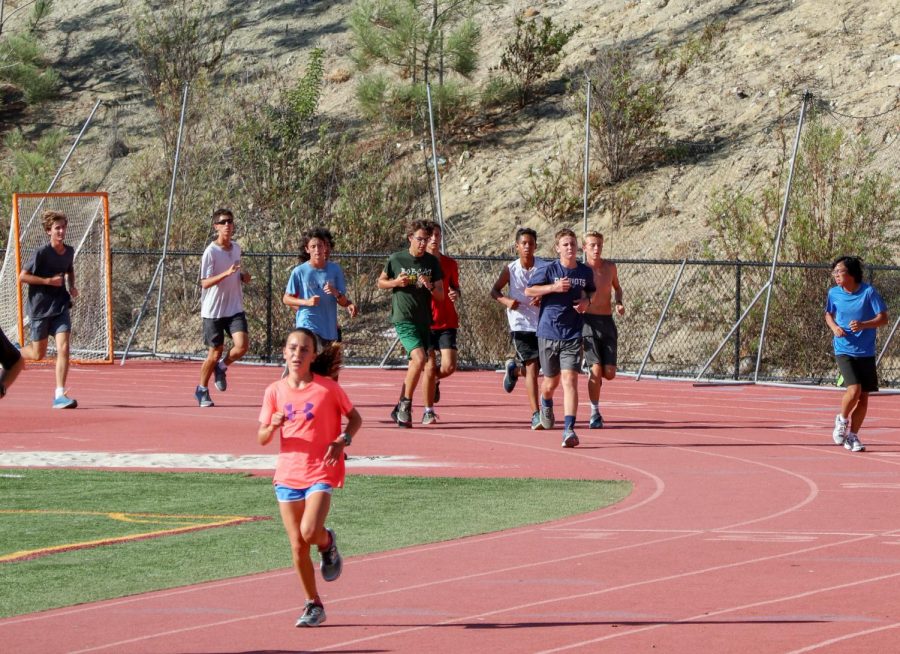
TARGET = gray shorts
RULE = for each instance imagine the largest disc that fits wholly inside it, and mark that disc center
(601, 340)
(559, 355)
(214, 329)
(42, 328)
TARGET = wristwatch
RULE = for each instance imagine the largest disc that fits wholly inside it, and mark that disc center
(347, 438)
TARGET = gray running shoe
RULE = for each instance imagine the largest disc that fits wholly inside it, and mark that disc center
(203, 398)
(429, 418)
(510, 379)
(313, 615)
(404, 413)
(596, 421)
(536, 421)
(853, 444)
(570, 438)
(437, 391)
(841, 427)
(221, 380)
(547, 417)
(332, 564)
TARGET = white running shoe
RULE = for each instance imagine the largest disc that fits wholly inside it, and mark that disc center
(852, 443)
(841, 427)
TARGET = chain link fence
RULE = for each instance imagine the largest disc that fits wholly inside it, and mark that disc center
(710, 298)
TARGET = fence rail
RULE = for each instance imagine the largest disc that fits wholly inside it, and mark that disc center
(710, 298)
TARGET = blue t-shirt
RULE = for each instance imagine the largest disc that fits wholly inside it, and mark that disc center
(306, 281)
(864, 304)
(558, 320)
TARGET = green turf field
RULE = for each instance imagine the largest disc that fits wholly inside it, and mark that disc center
(45, 509)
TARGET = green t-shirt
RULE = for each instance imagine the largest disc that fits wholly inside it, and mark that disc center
(412, 303)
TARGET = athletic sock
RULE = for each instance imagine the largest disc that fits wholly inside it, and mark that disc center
(60, 391)
(202, 388)
(429, 409)
(547, 403)
(569, 422)
(595, 408)
(222, 365)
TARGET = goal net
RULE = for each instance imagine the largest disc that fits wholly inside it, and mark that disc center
(91, 340)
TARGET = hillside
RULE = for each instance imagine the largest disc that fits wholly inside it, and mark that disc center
(723, 111)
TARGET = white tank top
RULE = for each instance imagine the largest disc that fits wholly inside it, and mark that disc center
(525, 317)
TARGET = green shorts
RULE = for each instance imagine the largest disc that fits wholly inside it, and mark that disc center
(413, 335)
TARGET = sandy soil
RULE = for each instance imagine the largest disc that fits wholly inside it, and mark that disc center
(845, 52)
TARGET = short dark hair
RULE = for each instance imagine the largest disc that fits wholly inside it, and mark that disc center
(221, 211)
(416, 225)
(320, 233)
(853, 265)
(526, 231)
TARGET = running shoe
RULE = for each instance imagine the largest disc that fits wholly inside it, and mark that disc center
(437, 391)
(841, 427)
(203, 398)
(547, 417)
(429, 418)
(394, 412)
(596, 421)
(853, 444)
(404, 413)
(510, 379)
(63, 402)
(313, 615)
(221, 380)
(332, 563)
(536, 421)
(570, 438)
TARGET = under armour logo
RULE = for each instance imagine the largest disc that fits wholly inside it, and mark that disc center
(290, 414)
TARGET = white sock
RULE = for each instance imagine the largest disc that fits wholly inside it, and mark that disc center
(202, 388)
(595, 407)
(429, 409)
(222, 365)
(842, 418)
(60, 391)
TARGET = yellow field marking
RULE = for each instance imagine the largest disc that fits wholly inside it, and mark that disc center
(189, 522)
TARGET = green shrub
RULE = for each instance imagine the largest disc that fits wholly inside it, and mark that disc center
(22, 64)
(534, 51)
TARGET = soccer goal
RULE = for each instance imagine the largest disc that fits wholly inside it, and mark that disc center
(87, 232)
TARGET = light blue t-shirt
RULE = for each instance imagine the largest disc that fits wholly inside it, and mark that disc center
(306, 281)
(864, 304)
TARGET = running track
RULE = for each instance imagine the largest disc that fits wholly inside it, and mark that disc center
(747, 529)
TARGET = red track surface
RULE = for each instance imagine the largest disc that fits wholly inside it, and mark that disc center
(747, 530)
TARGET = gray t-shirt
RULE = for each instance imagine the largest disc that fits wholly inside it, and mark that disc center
(226, 298)
(46, 301)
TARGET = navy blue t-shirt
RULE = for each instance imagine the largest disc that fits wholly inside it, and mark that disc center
(45, 301)
(558, 320)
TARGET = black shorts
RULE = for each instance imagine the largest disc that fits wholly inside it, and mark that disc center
(9, 355)
(442, 339)
(858, 370)
(214, 329)
(601, 339)
(526, 346)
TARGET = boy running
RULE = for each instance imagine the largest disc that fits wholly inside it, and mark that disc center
(600, 333)
(221, 305)
(47, 274)
(444, 326)
(414, 278)
(317, 287)
(565, 288)
(522, 314)
(853, 311)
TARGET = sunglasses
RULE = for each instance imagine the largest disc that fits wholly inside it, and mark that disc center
(227, 221)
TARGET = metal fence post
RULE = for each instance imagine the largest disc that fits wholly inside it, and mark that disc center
(269, 352)
(737, 315)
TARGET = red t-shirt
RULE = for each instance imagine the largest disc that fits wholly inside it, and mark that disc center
(312, 421)
(443, 314)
